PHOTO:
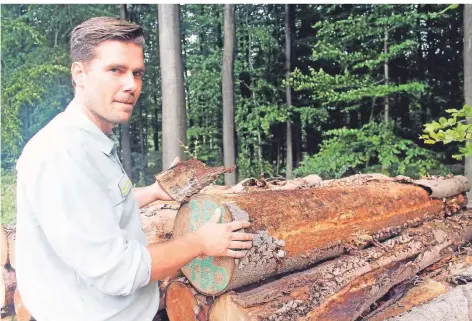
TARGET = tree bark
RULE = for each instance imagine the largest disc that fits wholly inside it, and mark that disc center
(174, 119)
(288, 93)
(468, 79)
(229, 132)
(125, 128)
(295, 229)
(188, 178)
(344, 288)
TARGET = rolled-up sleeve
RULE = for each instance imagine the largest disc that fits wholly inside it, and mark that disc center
(77, 215)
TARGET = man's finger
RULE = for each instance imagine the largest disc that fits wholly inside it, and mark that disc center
(236, 225)
(240, 236)
(236, 254)
(240, 245)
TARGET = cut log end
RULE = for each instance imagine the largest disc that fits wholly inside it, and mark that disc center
(184, 303)
(210, 275)
(225, 309)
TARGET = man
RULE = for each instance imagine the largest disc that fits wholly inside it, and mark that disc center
(81, 252)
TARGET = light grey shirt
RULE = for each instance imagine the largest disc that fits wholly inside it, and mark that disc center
(80, 250)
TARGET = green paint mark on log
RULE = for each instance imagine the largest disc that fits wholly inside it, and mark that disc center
(203, 272)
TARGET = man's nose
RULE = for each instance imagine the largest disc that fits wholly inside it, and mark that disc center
(129, 82)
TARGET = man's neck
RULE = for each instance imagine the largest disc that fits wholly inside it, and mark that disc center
(102, 124)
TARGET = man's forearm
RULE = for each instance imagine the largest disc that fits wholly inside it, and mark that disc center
(168, 257)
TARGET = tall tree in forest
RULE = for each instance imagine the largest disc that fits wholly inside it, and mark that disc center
(125, 128)
(288, 46)
(468, 78)
(174, 120)
(229, 149)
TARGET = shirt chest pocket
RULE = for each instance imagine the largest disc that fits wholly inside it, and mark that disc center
(119, 190)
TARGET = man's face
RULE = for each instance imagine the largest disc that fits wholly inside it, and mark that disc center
(112, 81)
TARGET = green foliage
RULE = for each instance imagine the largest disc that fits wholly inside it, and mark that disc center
(8, 187)
(373, 148)
(456, 128)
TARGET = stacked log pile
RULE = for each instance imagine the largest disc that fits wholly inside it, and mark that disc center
(324, 250)
(366, 247)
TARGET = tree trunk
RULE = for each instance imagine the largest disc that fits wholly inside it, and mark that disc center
(295, 229)
(288, 92)
(386, 79)
(173, 97)
(125, 128)
(229, 147)
(468, 79)
(344, 288)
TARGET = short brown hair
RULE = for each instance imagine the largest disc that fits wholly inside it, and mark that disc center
(90, 33)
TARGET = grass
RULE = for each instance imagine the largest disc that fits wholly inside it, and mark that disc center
(8, 197)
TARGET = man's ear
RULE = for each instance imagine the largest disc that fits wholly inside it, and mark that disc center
(78, 73)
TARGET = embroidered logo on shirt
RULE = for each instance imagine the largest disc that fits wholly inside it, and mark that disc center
(125, 185)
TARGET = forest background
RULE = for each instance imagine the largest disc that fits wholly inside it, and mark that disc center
(285, 90)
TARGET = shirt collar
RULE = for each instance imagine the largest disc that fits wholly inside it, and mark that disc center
(80, 120)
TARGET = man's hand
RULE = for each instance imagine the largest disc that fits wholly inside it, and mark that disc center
(154, 192)
(220, 239)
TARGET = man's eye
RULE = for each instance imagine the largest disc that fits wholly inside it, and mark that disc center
(138, 74)
(114, 69)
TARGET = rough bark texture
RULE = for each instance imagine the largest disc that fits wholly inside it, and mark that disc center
(421, 294)
(343, 288)
(229, 148)
(468, 75)
(295, 229)
(158, 220)
(183, 302)
(7, 291)
(455, 305)
(186, 179)
(174, 119)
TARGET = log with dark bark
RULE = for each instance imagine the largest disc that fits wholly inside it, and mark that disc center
(183, 302)
(7, 291)
(343, 288)
(295, 229)
(186, 179)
